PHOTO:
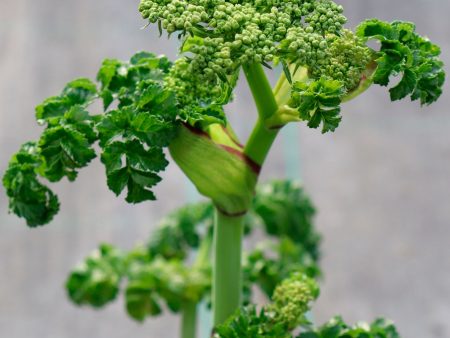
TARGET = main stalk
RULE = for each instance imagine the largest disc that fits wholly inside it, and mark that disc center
(227, 265)
(228, 229)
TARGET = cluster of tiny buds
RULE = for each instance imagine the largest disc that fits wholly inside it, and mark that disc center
(339, 57)
(191, 86)
(326, 18)
(292, 298)
(239, 32)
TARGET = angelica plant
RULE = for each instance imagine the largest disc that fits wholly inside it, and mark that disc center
(152, 105)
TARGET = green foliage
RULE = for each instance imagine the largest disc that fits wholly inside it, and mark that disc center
(28, 197)
(145, 118)
(168, 280)
(133, 135)
(159, 273)
(96, 281)
(247, 322)
(404, 52)
(319, 103)
(286, 214)
(286, 210)
(182, 231)
(337, 328)
(64, 150)
(154, 273)
(65, 145)
(267, 265)
(290, 301)
(285, 315)
(80, 92)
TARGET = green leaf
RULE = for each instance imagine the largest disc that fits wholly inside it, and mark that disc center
(29, 198)
(181, 231)
(138, 184)
(120, 80)
(337, 328)
(64, 150)
(80, 91)
(318, 103)
(286, 214)
(140, 302)
(79, 119)
(114, 125)
(108, 71)
(54, 106)
(130, 164)
(286, 210)
(403, 51)
(405, 86)
(145, 122)
(155, 99)
(204, 116)
(96, 281)
(152, 118)
(161, 279)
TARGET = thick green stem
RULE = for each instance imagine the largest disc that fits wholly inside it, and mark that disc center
(261, 90)
(189, 320)
(227, 266)
(261, 139)
(228, 230)
(260, 142)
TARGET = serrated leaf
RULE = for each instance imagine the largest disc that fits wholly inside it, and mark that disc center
(138, 184)
(65, 150)
(80, 91)
(130, 164)
(76, 94)
(114, 125)
(403, 51)
(107, 71)
(406, 86)
(96, 281)
(28, 197)
(54, 106)
(337, 328)
(141, 303)
(117, 180)
(319, 103)
(79, 119)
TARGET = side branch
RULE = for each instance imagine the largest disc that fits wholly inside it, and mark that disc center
(261, 139)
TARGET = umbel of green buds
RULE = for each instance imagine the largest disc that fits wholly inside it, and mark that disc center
(215, 162)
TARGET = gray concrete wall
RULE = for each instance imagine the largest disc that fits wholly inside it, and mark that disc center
(381, 182)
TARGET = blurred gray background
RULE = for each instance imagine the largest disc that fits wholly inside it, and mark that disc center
(381, 182)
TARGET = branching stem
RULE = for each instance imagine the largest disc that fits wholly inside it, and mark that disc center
(261, 139)
(228, 230)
